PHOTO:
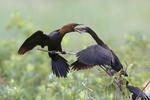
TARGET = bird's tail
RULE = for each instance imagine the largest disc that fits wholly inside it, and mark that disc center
(147, 97)
(60, 66)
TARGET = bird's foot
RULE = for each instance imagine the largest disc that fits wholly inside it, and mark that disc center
(63, 52)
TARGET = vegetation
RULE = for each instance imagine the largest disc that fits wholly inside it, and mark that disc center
(29, 77)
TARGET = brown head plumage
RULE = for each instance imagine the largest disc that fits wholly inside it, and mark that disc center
(68, 28)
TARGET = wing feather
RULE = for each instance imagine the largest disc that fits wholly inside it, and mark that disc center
(37, 38)
(95, 55)
(91, 56)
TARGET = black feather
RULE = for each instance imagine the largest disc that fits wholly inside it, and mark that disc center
(37, 38)
(79, 66)
(91, 56)
(95, 55)
(60, 66)
(137, 91)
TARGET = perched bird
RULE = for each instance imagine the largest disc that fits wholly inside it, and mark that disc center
(99, 54)
(136, 92)
(60, 66)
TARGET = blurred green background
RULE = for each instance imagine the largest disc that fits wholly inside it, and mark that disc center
(123, 24)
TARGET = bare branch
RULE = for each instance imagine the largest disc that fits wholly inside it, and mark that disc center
(118, 85)
(57, 52)
(126, 66)
(142, 90)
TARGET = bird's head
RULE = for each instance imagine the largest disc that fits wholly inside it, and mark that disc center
(82, 29)
(68, 28)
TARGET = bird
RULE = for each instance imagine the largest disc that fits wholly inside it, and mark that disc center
(99, 54)
(60, 67)
(136, 92)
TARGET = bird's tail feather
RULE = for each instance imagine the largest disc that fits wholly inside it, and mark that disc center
(60, 66)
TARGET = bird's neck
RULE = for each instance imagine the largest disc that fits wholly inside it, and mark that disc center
(56, 36)
(96, 38)
(61, 36)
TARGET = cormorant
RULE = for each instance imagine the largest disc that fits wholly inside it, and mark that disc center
(53, 41)
(99, 54)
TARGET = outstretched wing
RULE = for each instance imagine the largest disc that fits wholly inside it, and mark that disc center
(93, 55)
(37, 38)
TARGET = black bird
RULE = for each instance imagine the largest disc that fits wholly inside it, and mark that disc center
(60, 66)
(136, 92)
(99, 54)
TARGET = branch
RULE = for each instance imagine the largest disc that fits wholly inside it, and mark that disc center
(118, 84)
(142, 90)
(126, 67)
(57, 52)
(3, 81)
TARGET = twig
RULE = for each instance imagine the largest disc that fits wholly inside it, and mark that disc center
(3, 81)
(109, 74)
(115, 81)
(142, 90)
(126, 67)
(57, 52)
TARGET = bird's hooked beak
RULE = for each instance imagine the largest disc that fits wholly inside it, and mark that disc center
(80, 29)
